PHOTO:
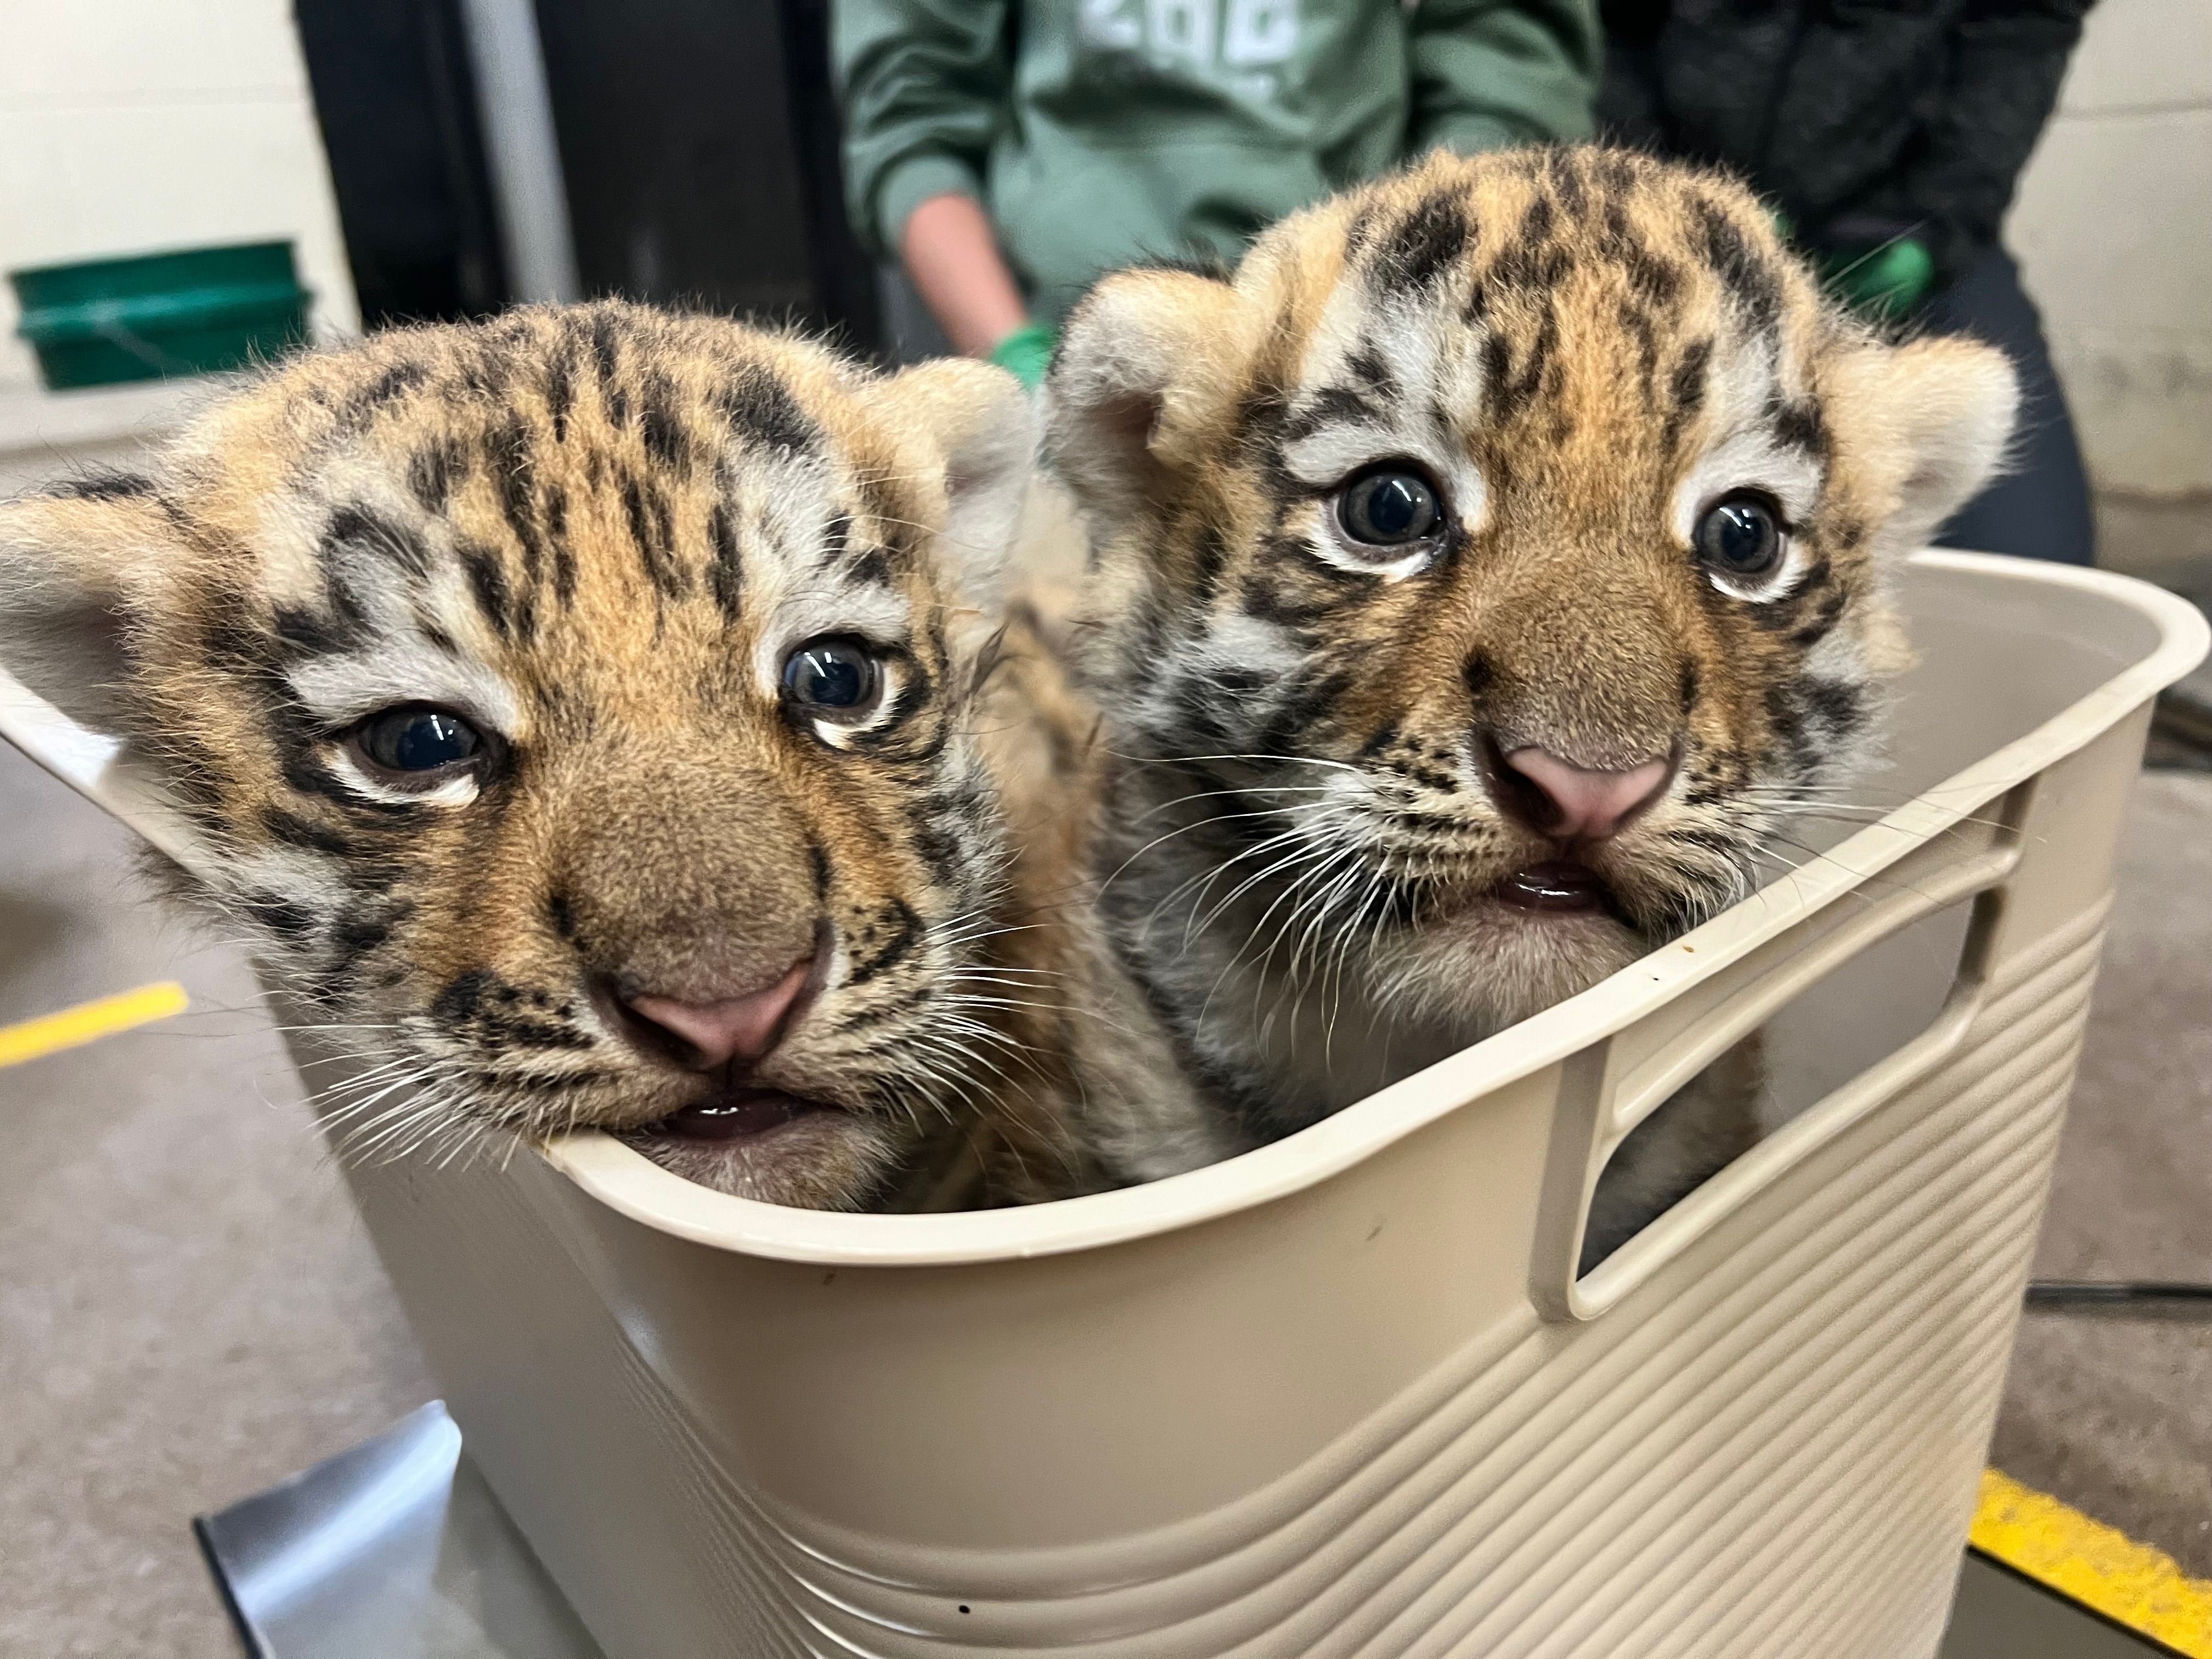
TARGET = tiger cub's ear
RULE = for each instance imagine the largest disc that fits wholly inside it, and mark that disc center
(79, 568)
(979, 419)
(1945, 409)
(1144, 353)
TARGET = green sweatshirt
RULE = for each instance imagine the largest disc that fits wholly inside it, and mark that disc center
(1100, 132)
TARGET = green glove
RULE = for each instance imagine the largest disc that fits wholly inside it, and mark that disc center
(1891, 280)
(1026, 353)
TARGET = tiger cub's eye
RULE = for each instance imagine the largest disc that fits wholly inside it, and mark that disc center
(417, 739)
(1740, 537)
(1390, 508)
(834, 678)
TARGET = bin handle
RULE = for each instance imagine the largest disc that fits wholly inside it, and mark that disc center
(1612, 1085)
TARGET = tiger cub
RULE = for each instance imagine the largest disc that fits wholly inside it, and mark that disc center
(1475, 575)
(579, 712)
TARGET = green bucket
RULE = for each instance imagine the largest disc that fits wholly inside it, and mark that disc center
(197, 311)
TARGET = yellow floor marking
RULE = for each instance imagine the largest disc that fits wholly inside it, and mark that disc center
(2132, 1583)
(89, 1021)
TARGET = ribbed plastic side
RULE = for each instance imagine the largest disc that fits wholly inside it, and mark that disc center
(1783, 1465)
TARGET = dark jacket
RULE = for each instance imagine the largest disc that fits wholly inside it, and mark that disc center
(1860, 119)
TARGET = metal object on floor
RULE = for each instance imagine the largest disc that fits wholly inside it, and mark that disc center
(2181, 729)
(394, 1550)
(2002, 1614)
(2098, 1292)
(398, 1549)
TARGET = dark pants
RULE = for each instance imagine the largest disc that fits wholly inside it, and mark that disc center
(2039, 509)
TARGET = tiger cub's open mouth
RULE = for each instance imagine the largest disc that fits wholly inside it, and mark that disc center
(737, 1113)
(1557, 886)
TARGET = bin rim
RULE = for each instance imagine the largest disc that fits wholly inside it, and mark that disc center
(212, 306)
(147, 255)
(626, 1181)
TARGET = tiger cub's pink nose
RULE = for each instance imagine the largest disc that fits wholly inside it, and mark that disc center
(1583, 803)
(736, 1028)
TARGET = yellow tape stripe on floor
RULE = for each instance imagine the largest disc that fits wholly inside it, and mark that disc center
(2131, 1584)
(89, 1021)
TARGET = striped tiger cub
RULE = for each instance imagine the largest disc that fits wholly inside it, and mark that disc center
(585, 715)
(1482, 574)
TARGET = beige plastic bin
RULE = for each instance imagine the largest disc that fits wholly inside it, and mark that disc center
(1342, 1395)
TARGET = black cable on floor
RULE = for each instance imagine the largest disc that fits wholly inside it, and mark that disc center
(2078, 1292)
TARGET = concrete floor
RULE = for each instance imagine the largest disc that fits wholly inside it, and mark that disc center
(189, 1311)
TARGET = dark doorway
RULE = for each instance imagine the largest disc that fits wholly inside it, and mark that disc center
(699, 143)
(395, 100)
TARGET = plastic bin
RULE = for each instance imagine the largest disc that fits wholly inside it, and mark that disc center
(201, 311)
(1343, 1395)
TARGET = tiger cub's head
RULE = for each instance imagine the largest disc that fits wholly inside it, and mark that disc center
(1491, 558)
(573, 710)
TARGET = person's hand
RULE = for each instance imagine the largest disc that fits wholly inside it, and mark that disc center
(1026, 353)
(953, 257)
